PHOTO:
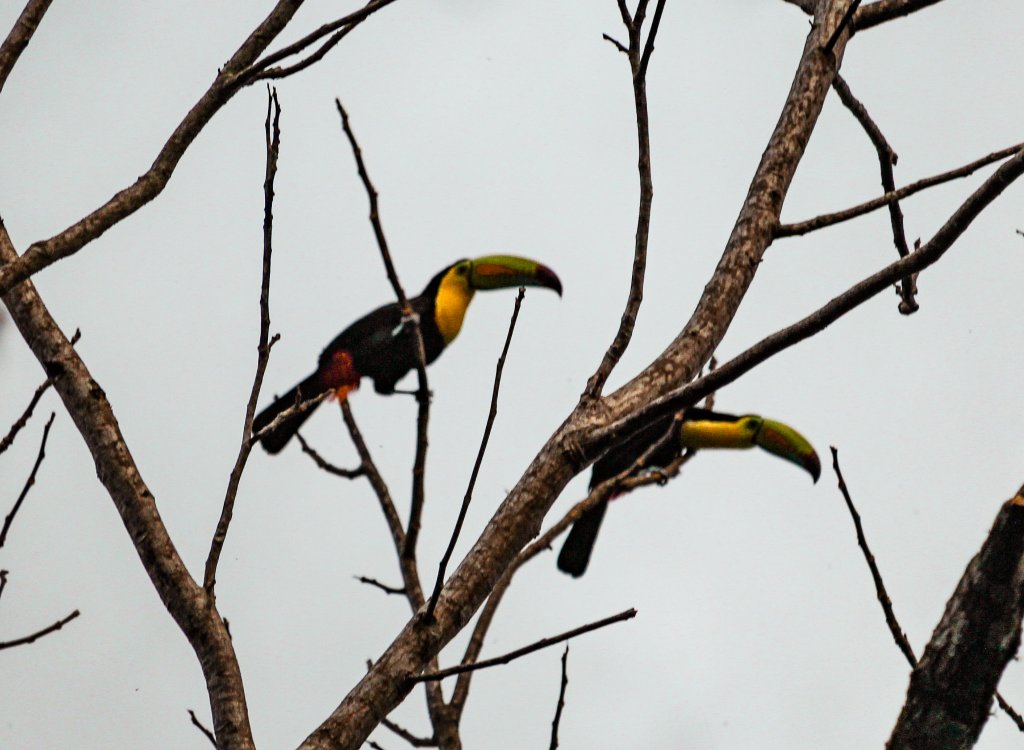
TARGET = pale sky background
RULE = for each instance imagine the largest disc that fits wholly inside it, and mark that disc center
(506, 127)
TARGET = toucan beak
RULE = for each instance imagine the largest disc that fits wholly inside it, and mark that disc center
(785, 442)
(504, 271)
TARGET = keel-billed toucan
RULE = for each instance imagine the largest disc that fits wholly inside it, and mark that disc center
(382, 347)
(699, 428)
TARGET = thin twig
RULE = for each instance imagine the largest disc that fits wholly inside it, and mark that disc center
(198, 725)
(408, 318)
(300, 407)
(638, 62)
(377, 584)
(325, 465)
(827, 220)
(408, 736)
(39, 634)
(29, 482)
(618, 45)
(491, 415)
(8, 439)
(883, 596)
(258, 69)
(537, 646)
(272, 128)
(561, 699)
(886, 161)
(649, 46)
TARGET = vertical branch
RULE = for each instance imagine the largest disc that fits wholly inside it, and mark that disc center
(887, 159)
(273, 140)
(21, 421)
(561, 699)
(29, 482)
(639, 56)
(409, 317)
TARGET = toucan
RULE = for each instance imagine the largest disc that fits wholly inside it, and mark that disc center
(382, 345)
(699, 428)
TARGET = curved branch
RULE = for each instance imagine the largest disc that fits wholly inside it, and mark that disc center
(39, 255)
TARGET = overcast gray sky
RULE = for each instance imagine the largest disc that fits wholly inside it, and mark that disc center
(507, 127)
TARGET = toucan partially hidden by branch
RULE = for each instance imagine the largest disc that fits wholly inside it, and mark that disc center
(699, 428)
(382, 346)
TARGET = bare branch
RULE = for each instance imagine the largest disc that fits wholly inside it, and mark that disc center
(561, 699)
(491, 414)
(875, 13)
(377, 584)
(19, 37)
(618, 45)
(325, 465)
(409, 318)
(886, 160)
(8, 439)
(886, 10)
(272, 128)
(262, 69)
(638, 61)
(39, 634)
(883, 596)
(29, 482)
(537, 646)
(651, 35)
(41, 254)
(408, 736)
(198, 725)
(951, 689)
(827, 220)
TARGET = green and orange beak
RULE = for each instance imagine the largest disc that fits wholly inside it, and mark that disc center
(505, 271)
(712, 430)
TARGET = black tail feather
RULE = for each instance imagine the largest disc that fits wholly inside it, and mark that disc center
(277, 439)
(579, 543)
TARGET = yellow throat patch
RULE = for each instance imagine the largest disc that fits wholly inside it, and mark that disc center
(453, 297)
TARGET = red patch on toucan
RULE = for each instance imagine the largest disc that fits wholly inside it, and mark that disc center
(339, 374)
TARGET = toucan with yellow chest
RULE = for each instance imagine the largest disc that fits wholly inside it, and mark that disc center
(382, 346)
(699, 428)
